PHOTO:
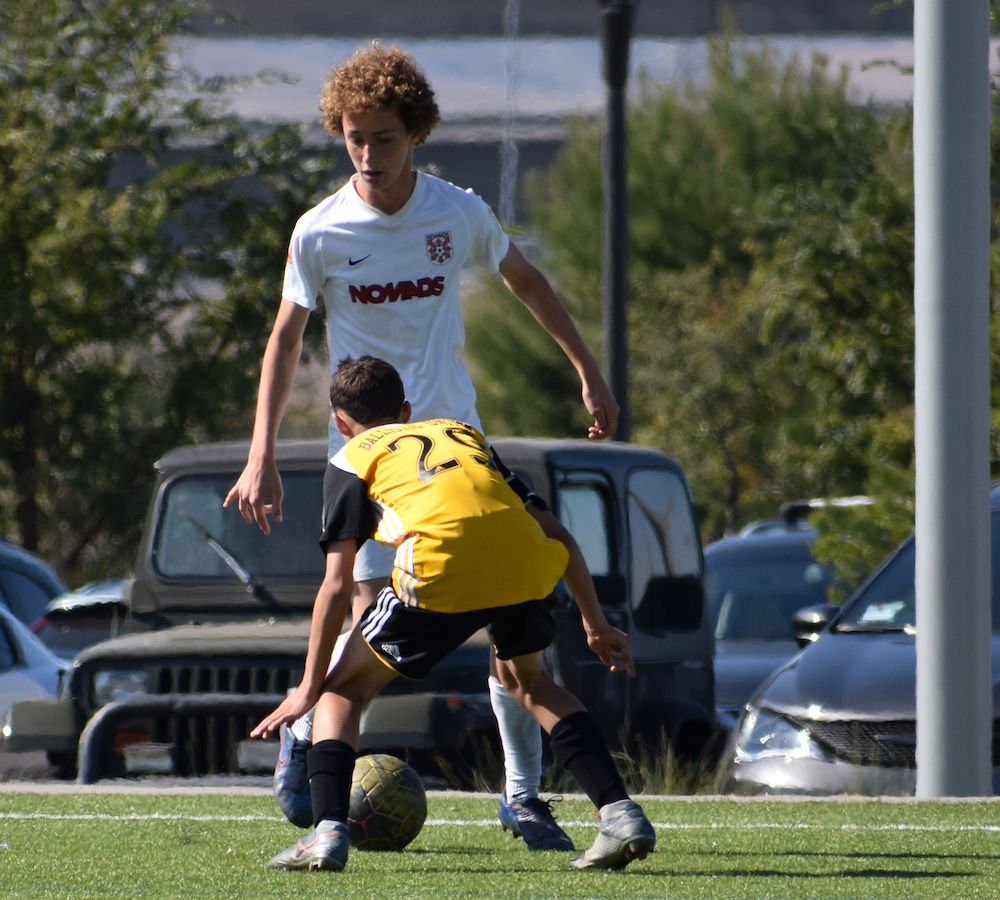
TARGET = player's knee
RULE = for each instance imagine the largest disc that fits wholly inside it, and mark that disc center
(524, 685)
(506, 679)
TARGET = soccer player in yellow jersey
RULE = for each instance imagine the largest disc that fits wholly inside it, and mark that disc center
(468, 556)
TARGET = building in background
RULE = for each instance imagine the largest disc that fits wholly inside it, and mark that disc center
(509, 73)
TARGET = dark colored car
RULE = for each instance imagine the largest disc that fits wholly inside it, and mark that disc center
(77, 619)
(840, 717)
(27, 584)
(218, 622)
(756, 582)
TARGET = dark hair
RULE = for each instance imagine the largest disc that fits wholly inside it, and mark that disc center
(380, 78)
(368, 389)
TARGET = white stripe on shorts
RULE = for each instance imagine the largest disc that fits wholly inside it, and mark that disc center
(384, 604)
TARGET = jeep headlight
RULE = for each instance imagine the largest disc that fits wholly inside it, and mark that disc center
(117, 684)
(765, 734)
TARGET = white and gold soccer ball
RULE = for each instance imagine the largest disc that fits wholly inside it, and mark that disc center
(388, 803)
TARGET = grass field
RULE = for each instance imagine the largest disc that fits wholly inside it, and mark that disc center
(208, 845)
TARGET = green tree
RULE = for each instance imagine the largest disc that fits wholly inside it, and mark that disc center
(134, 309)
(512, 362)
(755, 210)
(771, 296)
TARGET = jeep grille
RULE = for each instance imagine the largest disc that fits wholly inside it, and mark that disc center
(204, 742)
(213, 678)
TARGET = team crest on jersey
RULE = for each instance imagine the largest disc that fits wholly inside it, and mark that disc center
(439, 248)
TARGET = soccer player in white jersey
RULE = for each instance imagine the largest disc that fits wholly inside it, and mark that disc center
(385, 252)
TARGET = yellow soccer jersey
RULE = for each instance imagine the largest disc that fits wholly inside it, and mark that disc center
(463, 538)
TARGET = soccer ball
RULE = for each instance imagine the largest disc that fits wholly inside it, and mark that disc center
(388, 803)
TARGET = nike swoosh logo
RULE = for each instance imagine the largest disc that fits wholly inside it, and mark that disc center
(354, 262)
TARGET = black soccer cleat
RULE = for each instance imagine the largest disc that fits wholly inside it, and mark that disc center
(291, 779)
(532, 820)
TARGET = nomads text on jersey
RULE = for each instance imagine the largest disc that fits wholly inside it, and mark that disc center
(401, 290)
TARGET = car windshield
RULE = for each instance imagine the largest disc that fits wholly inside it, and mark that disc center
(888, 604)
(755, 592)
(195, 534)
(888, 601)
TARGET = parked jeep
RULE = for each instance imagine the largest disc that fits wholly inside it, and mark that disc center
(218, 620)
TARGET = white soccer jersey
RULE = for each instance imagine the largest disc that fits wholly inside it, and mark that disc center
(390, 285)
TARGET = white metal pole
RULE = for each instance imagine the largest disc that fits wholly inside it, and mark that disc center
(508, 150)
(951, 189)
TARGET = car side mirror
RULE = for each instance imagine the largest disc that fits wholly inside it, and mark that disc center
(809, 623)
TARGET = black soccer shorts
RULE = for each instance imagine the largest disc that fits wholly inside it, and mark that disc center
(411, 641)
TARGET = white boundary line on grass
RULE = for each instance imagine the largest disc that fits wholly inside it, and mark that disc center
(484, 823)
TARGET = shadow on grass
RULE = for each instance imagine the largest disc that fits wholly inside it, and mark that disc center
(843, 873)
(751, 872)
(859, 855)
(833, 854)
(430, 851)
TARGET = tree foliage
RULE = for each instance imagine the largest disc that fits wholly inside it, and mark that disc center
(512, 360)
(141, 233)
(771, 281)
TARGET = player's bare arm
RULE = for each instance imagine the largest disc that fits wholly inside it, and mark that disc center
(329, 612)
(258, 491)
(532, 288)
(609, 643)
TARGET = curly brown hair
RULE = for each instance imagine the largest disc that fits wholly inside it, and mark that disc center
(374, 78)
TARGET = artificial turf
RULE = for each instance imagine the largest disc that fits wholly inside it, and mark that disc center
(101, 845)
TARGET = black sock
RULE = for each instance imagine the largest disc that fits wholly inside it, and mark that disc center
(579, 747)
(331, 770)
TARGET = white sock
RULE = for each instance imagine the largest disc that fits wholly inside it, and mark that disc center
(303, 728)
(521, 737)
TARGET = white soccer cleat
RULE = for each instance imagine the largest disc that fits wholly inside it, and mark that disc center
(327, 851)
(625, 834)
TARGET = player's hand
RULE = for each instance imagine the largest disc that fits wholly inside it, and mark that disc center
(601, 404)
(612, 648)
(258, 494)
(293, 707)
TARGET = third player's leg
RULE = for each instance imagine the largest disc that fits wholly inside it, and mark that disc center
(530, 684)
